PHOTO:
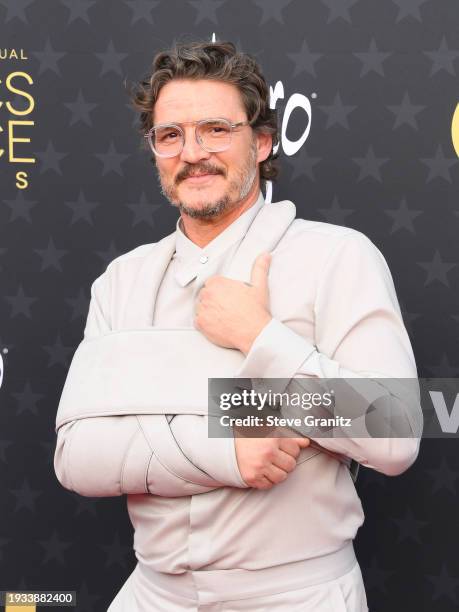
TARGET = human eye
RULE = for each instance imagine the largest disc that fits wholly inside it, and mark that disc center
(167, 134)
(215, 128)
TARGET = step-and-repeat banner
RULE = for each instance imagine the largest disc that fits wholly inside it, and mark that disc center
(367, 97)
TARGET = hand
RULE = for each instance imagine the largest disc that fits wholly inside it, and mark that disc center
(231, 313)
(264, 462)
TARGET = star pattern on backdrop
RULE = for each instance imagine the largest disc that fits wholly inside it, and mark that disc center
(82, 209)
(409, 8)
(376, 577)
(272, 10)
(26, 400)
(80, 110)
(206, 10)
(87, 599)
(111, 60)
(143, 211)
(403, 217)
(142, 10)
(54, 548)
(49, 59)
(337, 112)
(439, 165)
(370, 165)
(25, 497)
(445, 585)
(20, 303)
(339, 9)
(405, 112)
(372, 60)
(116, 553)
(50, 159)
(16, 9)
(443, 477)
(51, 256)
(112, 160)
(409, 528)
(78, 9)
(304, 60)
(443, 59)
(20, 207)
(335, 213)
(110, 254)
(303, 164)
(437, 269)
(58, 353)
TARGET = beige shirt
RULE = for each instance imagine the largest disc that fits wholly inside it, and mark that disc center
(335, 314)
(190, 263)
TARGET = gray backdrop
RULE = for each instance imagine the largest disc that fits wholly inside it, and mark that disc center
(381, 80)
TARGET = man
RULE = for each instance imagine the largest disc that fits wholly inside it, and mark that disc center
(240, 289)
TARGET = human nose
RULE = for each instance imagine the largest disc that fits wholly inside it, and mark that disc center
(192, 151)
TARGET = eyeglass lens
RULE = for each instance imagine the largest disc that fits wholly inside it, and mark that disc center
(212, 135)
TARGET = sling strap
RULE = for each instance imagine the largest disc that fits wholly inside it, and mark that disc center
(150, 370)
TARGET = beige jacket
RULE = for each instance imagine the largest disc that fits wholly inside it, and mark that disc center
(335, 314)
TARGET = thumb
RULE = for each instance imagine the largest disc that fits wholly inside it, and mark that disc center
(303, 442)
(260, 269)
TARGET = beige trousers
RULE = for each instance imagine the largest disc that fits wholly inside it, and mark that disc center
(261, 591)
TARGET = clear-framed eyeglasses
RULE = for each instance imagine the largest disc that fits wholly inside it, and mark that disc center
(214, 136)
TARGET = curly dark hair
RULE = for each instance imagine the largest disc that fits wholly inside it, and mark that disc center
(216, 61)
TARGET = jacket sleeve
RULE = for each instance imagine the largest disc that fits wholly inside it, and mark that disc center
(103, 456)
(359, 333)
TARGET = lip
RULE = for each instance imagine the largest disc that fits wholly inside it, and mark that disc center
(200, 179)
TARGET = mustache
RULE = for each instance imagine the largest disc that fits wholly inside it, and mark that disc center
(187, 172)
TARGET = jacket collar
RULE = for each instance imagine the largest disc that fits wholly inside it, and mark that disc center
(266, 229)
(189, 257)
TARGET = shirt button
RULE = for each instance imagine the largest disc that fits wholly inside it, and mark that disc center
(203, 259)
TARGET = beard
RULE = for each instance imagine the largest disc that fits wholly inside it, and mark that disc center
(237, 190)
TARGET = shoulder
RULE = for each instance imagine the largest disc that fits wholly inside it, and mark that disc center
(132, 258)
(126, 266)
(320, 230)
(324, 240)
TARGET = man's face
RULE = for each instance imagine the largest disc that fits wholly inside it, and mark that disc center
(233, 171)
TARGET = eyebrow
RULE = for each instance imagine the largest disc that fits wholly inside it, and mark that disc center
(194, 121)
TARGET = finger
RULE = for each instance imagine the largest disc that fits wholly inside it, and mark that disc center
(285, 461)
(263, 483)
(290, 446)
(303, 442)
(260, 269)
(275, 474)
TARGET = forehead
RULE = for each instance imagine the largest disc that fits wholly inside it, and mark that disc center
(188, 100)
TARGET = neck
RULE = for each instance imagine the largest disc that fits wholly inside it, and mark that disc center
(203, 231)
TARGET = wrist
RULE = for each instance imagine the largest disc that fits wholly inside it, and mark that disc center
(246, 343)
